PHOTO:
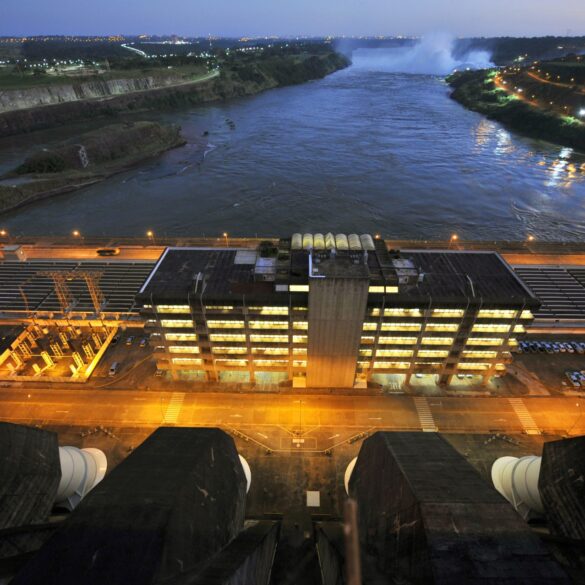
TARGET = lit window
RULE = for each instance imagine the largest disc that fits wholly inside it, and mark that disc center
(186, 309)
(367, 339)
(432, 353)
(480, 354)
(299, 288)
(500, 367)
(176, 323)
(392, 365)
(391, 290)
(491, 328)
(268, 324)
(448, 313)
(402, 313)
(299, 364)
(496, 314)
(183, 349)
(269, 310)
(269, 338)
(187, 361)
(397, 340)
(222, 308)
(472, 366)
(401, 326)
(147, 306)
(229, 350)
(363, 364)
(181, 336)
(370, 326)
(270, 350)
(375, 312)
(437, 340)
(227, 337)
(394, 353)
(512, 342)
(300, 309)
(485, 341)
(300, 350)
(232, 363)
(225, 324)
(300, 325)
(519, 329)
(445, 327)
(271, 362)
(378, 290)
(299, 339)
(526, 315)
(365, 352)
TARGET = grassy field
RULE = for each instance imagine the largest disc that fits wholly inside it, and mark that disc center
(9, 79)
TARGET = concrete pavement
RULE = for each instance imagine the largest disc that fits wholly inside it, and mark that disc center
(291, 422)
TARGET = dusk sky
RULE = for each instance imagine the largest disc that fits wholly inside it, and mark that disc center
(291, 17)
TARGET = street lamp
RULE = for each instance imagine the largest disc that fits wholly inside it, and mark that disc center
(530, 238)
(150, 235)
(225, 235)
(453, 239)
(75, 233)
(377, 237)
(3, 233)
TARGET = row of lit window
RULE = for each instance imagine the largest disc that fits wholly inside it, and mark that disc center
(426, 353)
(181, 336)
(406, 365)
(380, 290)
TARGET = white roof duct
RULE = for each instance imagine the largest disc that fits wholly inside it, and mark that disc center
(367, 242)
(354, 242)
(297, 242)
(348, 472)
(319, 241)
(247, 473)
(517, 480)
(341, 242)
(330, 241)
(81, 471)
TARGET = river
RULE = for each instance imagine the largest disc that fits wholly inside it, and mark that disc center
(365, 149)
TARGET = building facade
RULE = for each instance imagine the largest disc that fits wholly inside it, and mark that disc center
(333, 311)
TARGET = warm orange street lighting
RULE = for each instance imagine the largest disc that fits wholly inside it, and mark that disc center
(75, 233)
(3, 233)
(225, 235)
(530, 238)
(453, 238)
(377, 237)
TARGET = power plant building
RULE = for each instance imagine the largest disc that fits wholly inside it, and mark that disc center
(332, 311)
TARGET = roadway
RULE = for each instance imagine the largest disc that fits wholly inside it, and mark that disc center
(274, 421)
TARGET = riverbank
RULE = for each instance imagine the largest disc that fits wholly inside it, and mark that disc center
(478, 91)
(235, 78)
(93, 157)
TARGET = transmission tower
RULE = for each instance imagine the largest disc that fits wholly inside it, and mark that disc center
(66, 299)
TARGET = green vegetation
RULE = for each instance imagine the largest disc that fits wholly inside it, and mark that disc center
(477, 91)
(104, 152)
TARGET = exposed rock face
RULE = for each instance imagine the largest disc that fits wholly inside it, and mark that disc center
(52, 107)
(34, 97)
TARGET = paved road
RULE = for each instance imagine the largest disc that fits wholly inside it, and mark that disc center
(274, 421)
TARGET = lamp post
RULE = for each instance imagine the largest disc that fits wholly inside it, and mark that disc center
(453, 239)
(150, 235)
(227, 243)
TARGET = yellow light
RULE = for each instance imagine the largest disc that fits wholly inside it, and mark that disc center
(75, 233)
(530, 238)
(3, 232)
(454, 237)
(149, 233)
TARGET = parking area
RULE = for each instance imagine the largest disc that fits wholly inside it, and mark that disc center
(557, 362)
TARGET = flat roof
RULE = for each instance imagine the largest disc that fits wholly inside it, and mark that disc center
(433, 277)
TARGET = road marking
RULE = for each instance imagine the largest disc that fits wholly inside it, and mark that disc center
(61, 411)
(524, 416)
(425, 416)
(333, 437)
(174, 408)
(262, 435)
(374, 418)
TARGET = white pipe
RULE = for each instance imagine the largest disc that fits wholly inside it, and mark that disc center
(348, 472)
(517, 480)
(81, 471)
(247, 473)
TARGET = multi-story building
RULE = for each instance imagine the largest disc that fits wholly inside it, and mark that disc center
(332, 311)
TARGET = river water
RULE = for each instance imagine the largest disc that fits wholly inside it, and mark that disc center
(365, 149)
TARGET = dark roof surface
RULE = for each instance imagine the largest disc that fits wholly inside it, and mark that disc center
(173, 503)
(30, 472)
(480, 278)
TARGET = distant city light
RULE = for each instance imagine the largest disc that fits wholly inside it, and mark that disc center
(582, 113)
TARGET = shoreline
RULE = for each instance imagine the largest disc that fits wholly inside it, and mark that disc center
(476, 91)
(228, 84)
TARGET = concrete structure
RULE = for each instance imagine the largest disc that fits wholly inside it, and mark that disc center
(562, 487)
(426, 516)
(163, 515)
(282, 314)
